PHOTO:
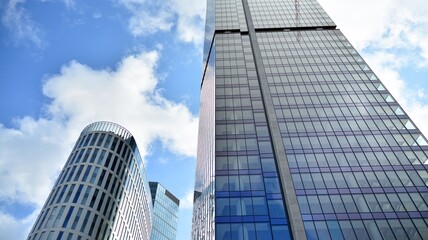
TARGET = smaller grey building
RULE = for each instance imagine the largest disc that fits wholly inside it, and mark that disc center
(165, 212)
(102, 192)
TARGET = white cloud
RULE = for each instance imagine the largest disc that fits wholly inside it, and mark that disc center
(191, 20)
(418, 112)
(391, 35)
(421, 93)
(34, 151)
(410, 99)
(163, 160)
(69, 3)
(385, 65)
(127, 95)
(97, 15)
(149, 16)
(30, 156)
(186, 202)
(11, 228)
(20, 25)
(143, 22)
(383, 23)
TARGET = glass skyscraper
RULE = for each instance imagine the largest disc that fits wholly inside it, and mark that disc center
(298, 138)
(165, 212)
(102, 191)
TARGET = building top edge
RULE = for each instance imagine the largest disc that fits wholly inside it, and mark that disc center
(169, 194)
(106, 126)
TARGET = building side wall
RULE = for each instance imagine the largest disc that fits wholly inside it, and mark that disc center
(101, 193)
(308, 141)
(203, 204)
(357, 161)
(165, 213)
(248, 194)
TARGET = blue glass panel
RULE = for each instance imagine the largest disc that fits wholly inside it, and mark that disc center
(272, 185)
(67, 217)
(222, 231)
(247, 206)
(372, 229)
(276, 208)
(236, 231)
(263, 231)
(334, 228)
(311, 234)
(280, 232)
(222, 207)
(249, 231)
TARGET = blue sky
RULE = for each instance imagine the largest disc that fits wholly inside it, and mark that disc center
(66, 63)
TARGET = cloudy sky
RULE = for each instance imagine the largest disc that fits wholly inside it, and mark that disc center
(66, 63)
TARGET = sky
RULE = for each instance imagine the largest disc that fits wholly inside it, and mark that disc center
(67, 63)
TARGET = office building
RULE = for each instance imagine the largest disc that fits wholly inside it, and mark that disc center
(298, 138)
(165, 213)
(102, 191)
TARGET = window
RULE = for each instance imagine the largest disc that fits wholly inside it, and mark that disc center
(67, 217)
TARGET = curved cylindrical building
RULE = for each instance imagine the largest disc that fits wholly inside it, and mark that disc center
(102, 191)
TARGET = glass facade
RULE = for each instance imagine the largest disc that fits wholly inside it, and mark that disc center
(102, 191)
(165, 212)
(298, 138)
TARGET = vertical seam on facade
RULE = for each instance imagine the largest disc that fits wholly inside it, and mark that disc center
(289, 194)
(204, 70)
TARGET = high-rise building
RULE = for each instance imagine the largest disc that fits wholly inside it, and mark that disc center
(298, 138)
(102, 191)
(165, 212)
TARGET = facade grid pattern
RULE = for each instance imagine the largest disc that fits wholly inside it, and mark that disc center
(101, 193)
(281, 76)
(355, 156)
(248, 194)
(285, 13)
(165, 213)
